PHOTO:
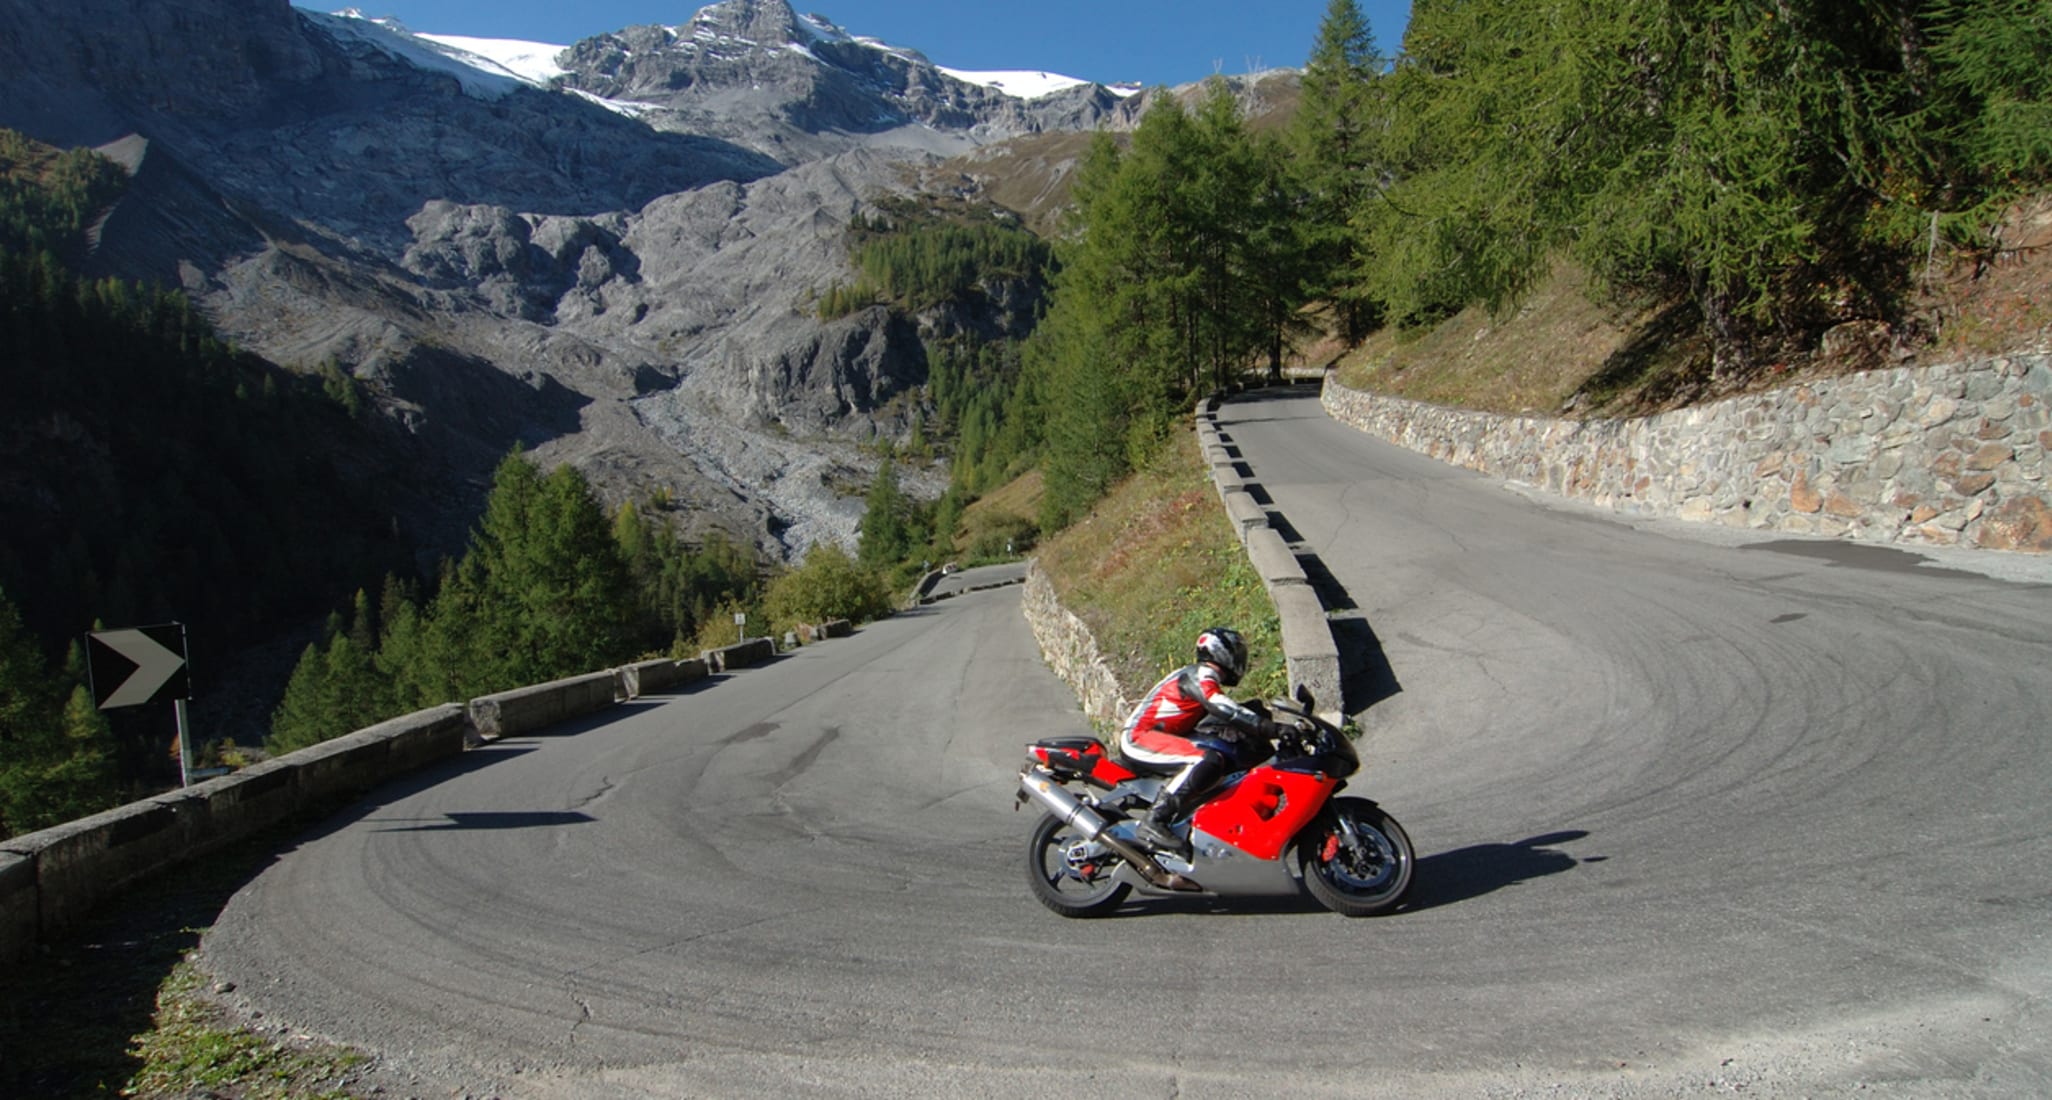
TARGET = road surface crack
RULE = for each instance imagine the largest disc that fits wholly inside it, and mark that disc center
(605, 788)
(583, 1016)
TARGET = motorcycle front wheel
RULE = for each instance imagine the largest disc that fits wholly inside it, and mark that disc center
(1069, 874)
(1356, 859)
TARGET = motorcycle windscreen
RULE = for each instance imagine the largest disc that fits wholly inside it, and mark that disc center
(1264, 810)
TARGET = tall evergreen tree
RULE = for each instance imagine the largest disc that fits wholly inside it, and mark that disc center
(557, 599)
(1282, 264)
(57, 761)
(1073, 361)
(1175, 276)
(1333, 137)
(1992, 83)
(302, 717)
(884, 537)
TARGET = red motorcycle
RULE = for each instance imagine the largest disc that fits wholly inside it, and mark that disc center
(1272, 828)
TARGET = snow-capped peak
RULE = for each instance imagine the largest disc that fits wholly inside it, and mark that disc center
(492, 67)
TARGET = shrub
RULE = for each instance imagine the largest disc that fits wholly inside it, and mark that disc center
(830, 585)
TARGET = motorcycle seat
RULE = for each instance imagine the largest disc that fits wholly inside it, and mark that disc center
(1145, 767)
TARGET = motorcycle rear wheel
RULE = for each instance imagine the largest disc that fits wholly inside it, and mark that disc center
(1357, 860)
(1082, 889)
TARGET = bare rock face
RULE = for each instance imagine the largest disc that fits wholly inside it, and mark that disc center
(795, 87)
(852, 367)
(79, 73)
(619, 271)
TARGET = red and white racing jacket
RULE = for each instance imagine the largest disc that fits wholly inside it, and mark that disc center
(1158, 731)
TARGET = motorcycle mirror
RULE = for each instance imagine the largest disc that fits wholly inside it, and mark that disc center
(1304, 697)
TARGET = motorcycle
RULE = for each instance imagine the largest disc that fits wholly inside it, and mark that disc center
(1271, 828)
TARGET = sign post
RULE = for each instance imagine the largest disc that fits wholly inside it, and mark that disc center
(740, 627)
(141, 665)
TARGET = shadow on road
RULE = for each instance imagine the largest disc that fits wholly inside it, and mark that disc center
(1448, 878)
(1157, 906)
(1468, 873)
(1366, 677)
(492, 819)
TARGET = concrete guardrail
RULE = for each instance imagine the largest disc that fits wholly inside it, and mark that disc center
(754, 651)
(50, 880)
(1310, 652)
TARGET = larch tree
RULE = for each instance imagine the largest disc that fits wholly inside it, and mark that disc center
(1333, 137)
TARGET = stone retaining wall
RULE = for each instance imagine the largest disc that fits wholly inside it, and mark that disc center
(1070, 650)
(1946, 456)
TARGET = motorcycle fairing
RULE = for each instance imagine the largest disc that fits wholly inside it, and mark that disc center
(1221, 868)
(1263, 811)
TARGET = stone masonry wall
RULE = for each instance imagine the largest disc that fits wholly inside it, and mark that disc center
(1946, 456)
(1070, 650)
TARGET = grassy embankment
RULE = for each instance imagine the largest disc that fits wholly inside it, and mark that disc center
(1154, 564)
(1558, 353)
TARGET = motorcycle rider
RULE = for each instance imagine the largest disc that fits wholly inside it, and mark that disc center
(1160, 730)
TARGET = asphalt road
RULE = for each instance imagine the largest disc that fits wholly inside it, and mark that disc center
(1694, 814)
(971, 580)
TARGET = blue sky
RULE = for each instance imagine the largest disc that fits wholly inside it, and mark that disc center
(1148, 41)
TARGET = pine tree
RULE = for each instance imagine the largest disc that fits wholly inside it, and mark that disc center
(26, 718)
(556, 597)
(1993, 90)
(399, 660)
(884, 537)
(1332, 135)
(1282, 263)
(302, 717)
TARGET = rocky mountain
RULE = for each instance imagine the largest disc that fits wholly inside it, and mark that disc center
(614, 264)
(797, 87)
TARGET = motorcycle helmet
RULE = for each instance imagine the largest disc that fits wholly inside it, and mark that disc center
(1223, 647)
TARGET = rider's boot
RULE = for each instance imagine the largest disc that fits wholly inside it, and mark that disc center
(1181, 791)
(1156, 829)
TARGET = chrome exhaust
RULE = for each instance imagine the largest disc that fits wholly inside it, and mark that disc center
(1071, 810)
(1059, 802)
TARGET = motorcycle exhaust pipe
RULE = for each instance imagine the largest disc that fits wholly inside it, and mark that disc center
(1059, 802)
(1074, 813)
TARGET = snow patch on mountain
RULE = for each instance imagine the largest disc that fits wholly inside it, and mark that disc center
(534, 62)
(1022, 83)
(480, 74)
